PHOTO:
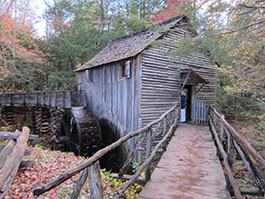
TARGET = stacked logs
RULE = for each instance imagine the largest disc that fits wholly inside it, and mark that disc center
(11, 157)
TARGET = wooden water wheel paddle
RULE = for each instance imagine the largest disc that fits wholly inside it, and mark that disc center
(79, 132)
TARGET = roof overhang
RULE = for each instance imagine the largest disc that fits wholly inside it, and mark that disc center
(193, 76)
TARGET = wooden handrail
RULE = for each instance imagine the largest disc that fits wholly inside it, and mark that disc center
(146, 162)
(235, 144)
(258, 158)
(73, 171)
(226, 164)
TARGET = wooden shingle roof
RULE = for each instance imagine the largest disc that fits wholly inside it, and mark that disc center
(129, 46)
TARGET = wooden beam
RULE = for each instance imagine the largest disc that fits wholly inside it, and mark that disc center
(11, 135)
(6, 152)
(184, 83)
(199, 88)
(9, 170)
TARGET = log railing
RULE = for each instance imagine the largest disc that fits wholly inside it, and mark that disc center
(11, 157)
(231, 147)
(163, 126)
(52, 99)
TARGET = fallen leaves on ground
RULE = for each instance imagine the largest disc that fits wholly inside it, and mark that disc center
(49, 165)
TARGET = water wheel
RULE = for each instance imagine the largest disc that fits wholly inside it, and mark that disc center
(79, 132)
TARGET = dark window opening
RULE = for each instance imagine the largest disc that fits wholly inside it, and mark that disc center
(89, 76)
(126, 69)
(123, 70)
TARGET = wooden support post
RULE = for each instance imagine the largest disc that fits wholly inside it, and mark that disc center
(148, 152)
(79, 185)
(214, 120)
(230, 149)
(221, 129)
(95, 182)
(63, 100)
(184, 83)
(164, 145)
(50, 100)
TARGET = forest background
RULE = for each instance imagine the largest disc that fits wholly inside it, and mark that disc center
(230, 32)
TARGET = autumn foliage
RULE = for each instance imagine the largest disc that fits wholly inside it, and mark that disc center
(173, 9)
(17, 42)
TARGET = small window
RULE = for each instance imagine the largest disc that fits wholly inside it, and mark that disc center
(89, 76)
(123, 74)
(126, 69)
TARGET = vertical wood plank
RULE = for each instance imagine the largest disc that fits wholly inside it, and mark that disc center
(164, 132)
(221, 129)
(95, 182)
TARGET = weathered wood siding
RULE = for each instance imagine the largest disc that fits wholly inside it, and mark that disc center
(112, 97)
(161, 79)
(59, 99)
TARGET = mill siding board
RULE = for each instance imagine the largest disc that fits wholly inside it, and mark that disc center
(155, 77)
(111, 96)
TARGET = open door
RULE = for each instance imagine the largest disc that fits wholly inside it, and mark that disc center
(188, 102)
(195, 111)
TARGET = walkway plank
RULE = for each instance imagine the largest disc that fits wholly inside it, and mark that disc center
(188, 169)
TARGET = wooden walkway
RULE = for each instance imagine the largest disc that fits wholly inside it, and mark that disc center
(188, 169)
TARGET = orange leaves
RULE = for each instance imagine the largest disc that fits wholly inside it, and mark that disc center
(173, 9)
(49, 164)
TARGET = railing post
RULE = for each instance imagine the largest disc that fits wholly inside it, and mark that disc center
(164, 132)
(95, 182)
(79, 185)
(63, 99)
(148, 152)
(221, 129)
(214, 120)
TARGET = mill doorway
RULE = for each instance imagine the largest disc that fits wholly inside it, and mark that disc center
(188, 102)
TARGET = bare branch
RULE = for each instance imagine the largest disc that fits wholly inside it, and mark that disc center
(238, 29)
(248, 6)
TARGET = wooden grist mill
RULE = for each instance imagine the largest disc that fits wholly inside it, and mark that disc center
(128, 103)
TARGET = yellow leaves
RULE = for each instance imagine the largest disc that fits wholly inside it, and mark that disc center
(225, 69)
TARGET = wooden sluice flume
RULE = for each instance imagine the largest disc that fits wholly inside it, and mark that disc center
(61, 114)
